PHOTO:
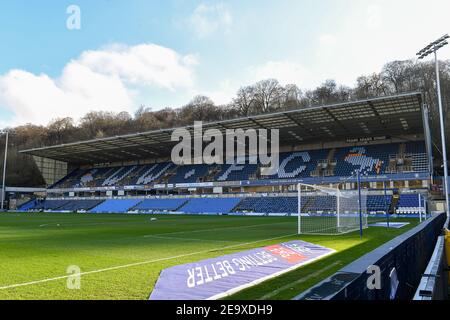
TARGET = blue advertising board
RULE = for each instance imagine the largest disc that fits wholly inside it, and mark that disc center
(218, 277)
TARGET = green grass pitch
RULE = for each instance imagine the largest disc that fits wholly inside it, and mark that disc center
(121, 256)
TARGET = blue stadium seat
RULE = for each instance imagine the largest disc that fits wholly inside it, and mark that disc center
(371, 160)
(287, 205)
(189, 173)
(150, 205)
(415, 147)
(116, 206)
(151, 173)
(118, 175)
(410, 204)
(210, 205)
(298, 164)
(80, 205)
(377, 203)
(50, 204)
(417, 151)
(236, 172)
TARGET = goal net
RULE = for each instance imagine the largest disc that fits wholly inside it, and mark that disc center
(324, 210)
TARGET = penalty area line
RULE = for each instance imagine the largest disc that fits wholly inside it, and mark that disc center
(136, 264)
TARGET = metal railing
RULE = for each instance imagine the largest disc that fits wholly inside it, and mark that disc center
(434, 282)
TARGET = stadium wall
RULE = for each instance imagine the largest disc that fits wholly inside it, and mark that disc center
(51, 170)
(409, 254)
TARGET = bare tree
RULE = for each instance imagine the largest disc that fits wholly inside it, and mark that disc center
(268, 95)
(245, 100)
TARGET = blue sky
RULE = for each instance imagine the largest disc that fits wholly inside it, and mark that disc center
(162, 53)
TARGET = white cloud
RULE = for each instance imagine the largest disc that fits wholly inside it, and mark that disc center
(224, 93)
(106, 79)
(38, 98)
(144, 65)
(208, 19)
(286, 72)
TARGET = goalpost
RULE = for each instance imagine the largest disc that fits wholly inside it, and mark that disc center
(329, 210)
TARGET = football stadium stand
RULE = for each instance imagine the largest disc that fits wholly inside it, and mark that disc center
(408, 204)
(374, 160)
(384, 139)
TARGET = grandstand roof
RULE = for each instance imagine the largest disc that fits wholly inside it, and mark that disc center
(394, 115)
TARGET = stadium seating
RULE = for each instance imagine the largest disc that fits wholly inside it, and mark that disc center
(319, 204)
(79, 205)
(310, 204)
(371, 159)
(268, 205)
(298, 164)
(210, 205)
(236, 172)
(261, 205)
(378, 203)
(118, 175)
(61, 205)
(417, 152)
(115, 206)
(151, 173)
(50, 204)
(189, 173)
(152, 205)
(410, 204)
(415, 147)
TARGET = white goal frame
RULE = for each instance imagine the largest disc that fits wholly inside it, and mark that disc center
(362, 216)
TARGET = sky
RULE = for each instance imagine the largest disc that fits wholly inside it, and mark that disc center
(66, 58)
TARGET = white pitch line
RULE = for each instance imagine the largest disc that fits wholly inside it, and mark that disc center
(140, 263)
(304, 279)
